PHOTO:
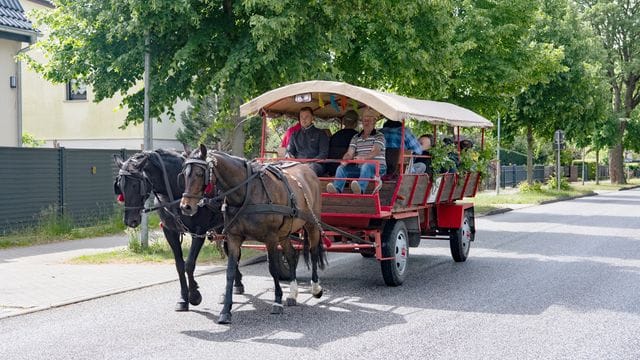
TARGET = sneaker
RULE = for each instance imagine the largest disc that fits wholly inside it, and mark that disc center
(355, 187)
(378, 186)
(331, 189)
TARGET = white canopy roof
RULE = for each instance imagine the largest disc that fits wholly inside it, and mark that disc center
(333, 99)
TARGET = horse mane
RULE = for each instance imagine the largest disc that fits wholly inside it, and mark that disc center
(171, 158)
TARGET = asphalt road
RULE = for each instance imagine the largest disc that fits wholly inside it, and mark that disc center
(558, 281)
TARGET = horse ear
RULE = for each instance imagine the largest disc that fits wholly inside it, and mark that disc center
(187, 148)
(203, 151)
(118, 160)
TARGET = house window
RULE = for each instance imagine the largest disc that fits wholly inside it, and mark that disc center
(76, 90)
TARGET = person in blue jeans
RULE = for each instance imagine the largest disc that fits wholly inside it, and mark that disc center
(369, 144)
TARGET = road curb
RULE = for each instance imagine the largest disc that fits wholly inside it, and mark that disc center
(567, 198)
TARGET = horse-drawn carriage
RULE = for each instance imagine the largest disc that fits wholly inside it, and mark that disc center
(255, 200)
(395, 213)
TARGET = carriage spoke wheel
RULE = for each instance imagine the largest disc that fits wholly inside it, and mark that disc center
(395, 244)
(460, 239)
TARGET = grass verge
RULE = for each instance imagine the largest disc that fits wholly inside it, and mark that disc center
(487, 202)
(53, 228)
(158, 251)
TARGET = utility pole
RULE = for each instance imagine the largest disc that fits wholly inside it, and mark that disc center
(148, 135)
(498, 166)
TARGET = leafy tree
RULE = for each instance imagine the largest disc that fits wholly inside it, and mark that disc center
(616, 23)
(554, 104)
(476, 53)
(197, 119)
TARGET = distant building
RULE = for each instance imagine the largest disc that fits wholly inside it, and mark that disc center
(15, 30)
(65, 114)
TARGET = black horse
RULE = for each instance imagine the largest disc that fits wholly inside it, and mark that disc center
(265, 203)
(156, 172)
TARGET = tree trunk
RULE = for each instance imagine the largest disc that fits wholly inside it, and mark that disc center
(616, 164)
(529, 155)
(597, 166)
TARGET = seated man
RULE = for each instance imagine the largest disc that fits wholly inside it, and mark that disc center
(392, 131)
(309, 142)
(422, 165)
(369, 144)
(339, 142)
(282, 150)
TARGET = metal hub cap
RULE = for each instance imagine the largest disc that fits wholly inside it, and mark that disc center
(401, 252)
(466, 233)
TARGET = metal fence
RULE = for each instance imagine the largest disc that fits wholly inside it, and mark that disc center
(36, 183)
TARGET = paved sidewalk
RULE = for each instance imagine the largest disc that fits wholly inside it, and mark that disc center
(39, 277)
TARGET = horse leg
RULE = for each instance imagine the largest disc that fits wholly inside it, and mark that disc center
(272, 252)
(195, 298)
(238, 287)
(313, 236)
(173, 238)
(290, 254)
(233, 255)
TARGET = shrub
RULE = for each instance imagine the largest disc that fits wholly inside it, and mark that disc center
(553, 183)
(529, 188)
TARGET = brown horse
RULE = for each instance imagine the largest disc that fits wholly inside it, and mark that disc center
(265, 203)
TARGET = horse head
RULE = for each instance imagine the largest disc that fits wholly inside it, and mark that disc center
(198, 179)
(132, 187)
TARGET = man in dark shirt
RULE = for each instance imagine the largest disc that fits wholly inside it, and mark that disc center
(339, 142)
(309, 142)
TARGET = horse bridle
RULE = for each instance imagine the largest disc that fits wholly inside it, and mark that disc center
(206, 166)
(144, 182)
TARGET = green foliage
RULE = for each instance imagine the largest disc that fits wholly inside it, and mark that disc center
(29, 140)
(441, 159)
(525, 187)
(197, 121)
(590, 168)
(53, 227)
(475, 160)
(52, 223)
(553, 183)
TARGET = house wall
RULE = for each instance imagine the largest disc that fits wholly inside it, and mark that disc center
(48, 116)
(8, 95)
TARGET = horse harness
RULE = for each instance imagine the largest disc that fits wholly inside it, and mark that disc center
(290, 210)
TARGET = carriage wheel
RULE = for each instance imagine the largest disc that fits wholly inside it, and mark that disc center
(460, 239)
(395, 243)
(283, 266)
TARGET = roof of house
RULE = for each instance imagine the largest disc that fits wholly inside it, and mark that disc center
(12, 15)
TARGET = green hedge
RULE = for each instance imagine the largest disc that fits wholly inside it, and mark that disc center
(591, 168)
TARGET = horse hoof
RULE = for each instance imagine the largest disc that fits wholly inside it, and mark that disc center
(239, 290)
(182, 306)
(291, 302)
(224, 318)
(195, 298)
(318, 295)
(277, 309)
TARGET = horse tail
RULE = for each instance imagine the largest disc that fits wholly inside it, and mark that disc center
(322, 254)
(305, 248)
